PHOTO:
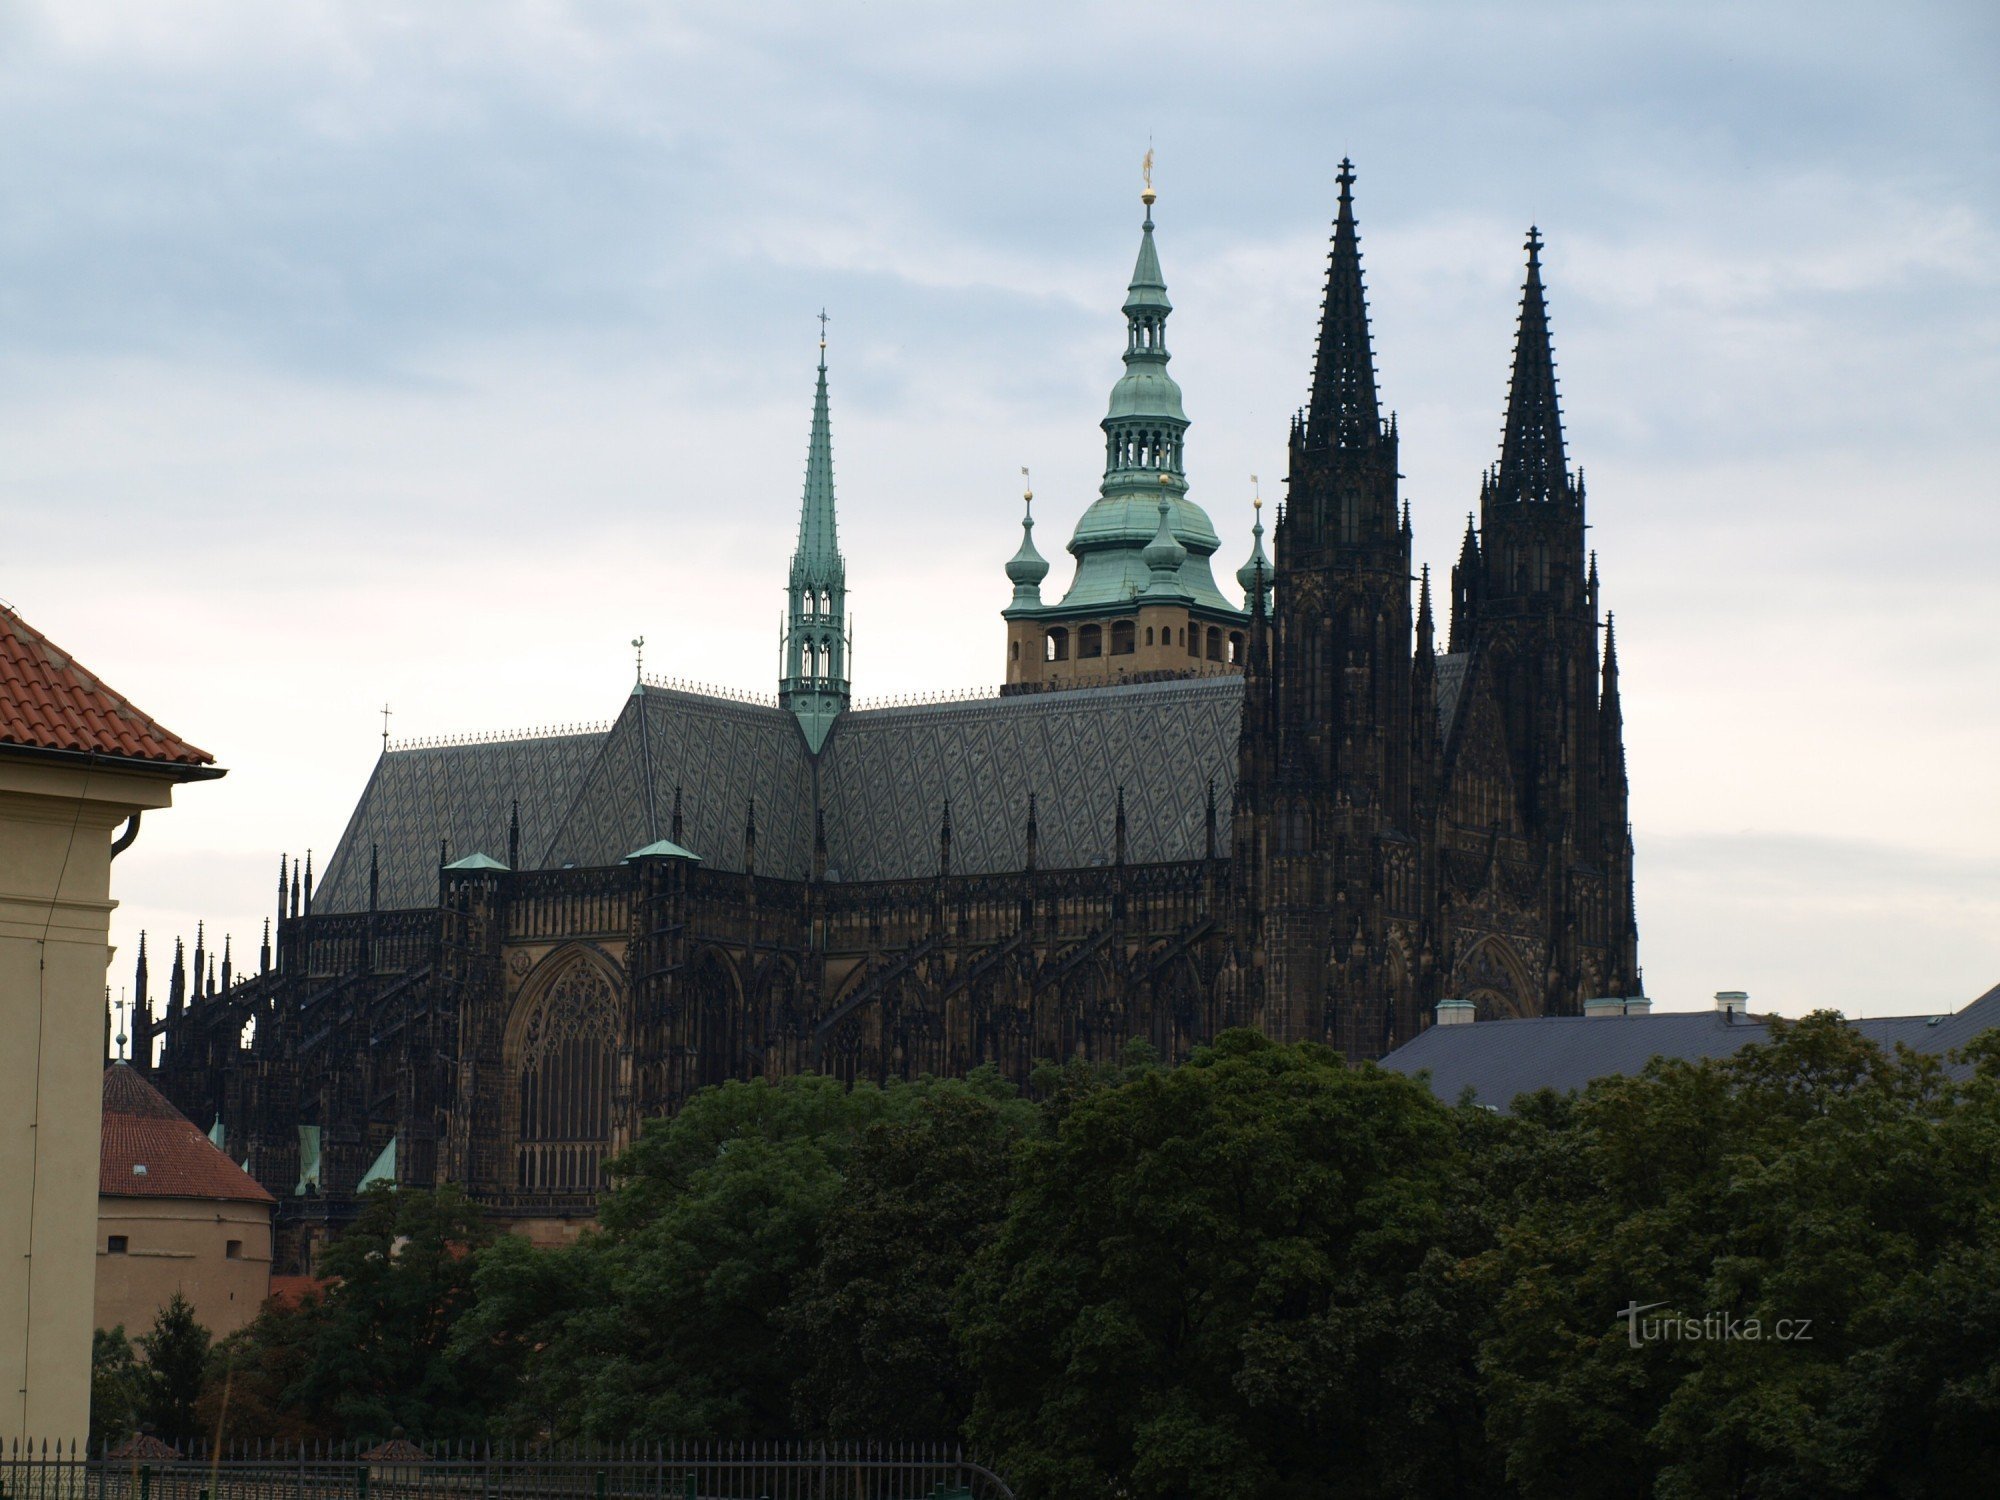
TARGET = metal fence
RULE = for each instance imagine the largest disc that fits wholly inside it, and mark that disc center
(401, 1471)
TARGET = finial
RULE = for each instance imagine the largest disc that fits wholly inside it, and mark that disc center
(121, 1038)
(638, 658)
(385, 728)
(1256, 497)
(1534, 246)
(822, 338)
(1148, 196)
(1345, 176)
(1027, 490)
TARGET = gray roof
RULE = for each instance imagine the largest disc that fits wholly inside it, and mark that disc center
(1501, 1060)
(722, 754)
(882, 780)
(461, 794)
(886, 774)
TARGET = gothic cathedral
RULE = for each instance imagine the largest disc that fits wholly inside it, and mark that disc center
(1184, 811)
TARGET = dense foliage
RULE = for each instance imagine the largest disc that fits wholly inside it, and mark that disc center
(1263, 1273)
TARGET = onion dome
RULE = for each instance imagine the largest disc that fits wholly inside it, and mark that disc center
(1027, 568)
(1257, 566)
(1163, 557)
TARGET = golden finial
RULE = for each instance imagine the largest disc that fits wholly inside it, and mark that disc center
(1146, 171)
(1027, 486)
(1256, 495)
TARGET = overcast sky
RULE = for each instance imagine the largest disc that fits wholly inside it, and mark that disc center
(354, 353)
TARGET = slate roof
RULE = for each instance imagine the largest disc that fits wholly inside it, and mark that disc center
(142, 1130)
(886, 773)
(722, 753)
(462, 794)
(51, 701)
(881, 779)
(1501, 1060)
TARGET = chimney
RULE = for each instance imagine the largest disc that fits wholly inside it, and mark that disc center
(1618, 1005)
(1455, 1013)
(1729, 1004)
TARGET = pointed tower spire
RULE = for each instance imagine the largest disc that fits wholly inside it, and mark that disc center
(1027, 567)
(1034, 835)
(264, 954)
(1611, 714)
(1465, 575)
(676, 835)
(944, 842)
(514, 835)
(1255, 574)
(1345, 410)
(177, 981)
(1532, 465)
(227, 967)
(1426, 626)
(815, 681)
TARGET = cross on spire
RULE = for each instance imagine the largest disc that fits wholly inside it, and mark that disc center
(1345, 409)
(385, 726)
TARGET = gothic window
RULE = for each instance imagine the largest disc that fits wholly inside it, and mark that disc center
(1541, 567)
(716, 1018)
(566, 1075)
(1058, 646)
(1350, 517)
(1090, 641)
(1124, 638)
(1013, 651)
(1149, 635)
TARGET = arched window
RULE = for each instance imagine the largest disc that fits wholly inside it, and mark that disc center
(1193, 639)
(1214, 644)
(1235, 648)
(1058, 646)
(566, 1073)
(1124, 637)
(1014, 651)
(1090, 641)
(1149, 635)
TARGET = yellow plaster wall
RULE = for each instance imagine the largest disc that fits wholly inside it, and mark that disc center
(56, 827)
(182, 1245)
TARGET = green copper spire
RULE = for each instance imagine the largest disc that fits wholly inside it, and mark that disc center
(815, 684)
(1027, 568)
(1144, 432)
(1256, 567)
(1163, 558)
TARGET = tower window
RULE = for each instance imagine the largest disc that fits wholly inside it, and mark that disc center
(1013, 651)
(1214, 644)
(232, 1250)
(1090, 641)
(1124, 637)
(115, 1245)
(1149, 635)
(1235, 648)
(1058, 646)
(1193, 639)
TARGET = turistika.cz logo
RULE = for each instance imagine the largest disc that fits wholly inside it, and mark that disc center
(1710, 1328)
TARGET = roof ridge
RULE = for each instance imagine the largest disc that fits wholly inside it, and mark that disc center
(50, 701)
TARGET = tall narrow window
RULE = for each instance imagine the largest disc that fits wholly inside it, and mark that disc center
(567, 1074)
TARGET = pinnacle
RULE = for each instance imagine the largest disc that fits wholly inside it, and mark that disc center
(1532, 464)
(1345, 409)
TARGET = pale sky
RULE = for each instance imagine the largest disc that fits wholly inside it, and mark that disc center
(354, 353)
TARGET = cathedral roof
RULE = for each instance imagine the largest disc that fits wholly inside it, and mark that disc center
(460, 795)
(50, 701)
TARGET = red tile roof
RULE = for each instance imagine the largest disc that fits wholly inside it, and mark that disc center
(50, 701)
(292, 1291)
(142, 1130)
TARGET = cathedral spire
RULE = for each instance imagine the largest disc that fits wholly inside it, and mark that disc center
(1254, 577)
(815, 682)
(1426, 625)
(1345, 410)
(1532, 465)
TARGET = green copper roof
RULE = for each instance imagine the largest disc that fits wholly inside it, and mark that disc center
(814, 680)
(476, 862)
(1256, 565)
(1144, 430)
(1027, 568)
(662, 849)
(817, 558)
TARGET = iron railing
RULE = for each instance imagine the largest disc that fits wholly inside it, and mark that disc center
(496, 1471)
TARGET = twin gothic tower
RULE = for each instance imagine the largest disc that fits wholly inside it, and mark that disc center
(1408, 825)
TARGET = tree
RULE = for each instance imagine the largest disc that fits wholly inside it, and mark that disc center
(1809, 1226)
(868, 1327)
(176, 1354)
(114, 1388)
(1235, 1278)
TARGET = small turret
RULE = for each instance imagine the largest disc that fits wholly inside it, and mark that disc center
(1255, 573)
(1027, 568)
(1163, 557)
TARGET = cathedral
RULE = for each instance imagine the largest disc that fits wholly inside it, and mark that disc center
(1280, 806)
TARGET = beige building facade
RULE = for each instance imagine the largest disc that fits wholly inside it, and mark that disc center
(174, 1215)
(78, 763)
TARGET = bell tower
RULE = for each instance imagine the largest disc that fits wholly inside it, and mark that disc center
(816, 640)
